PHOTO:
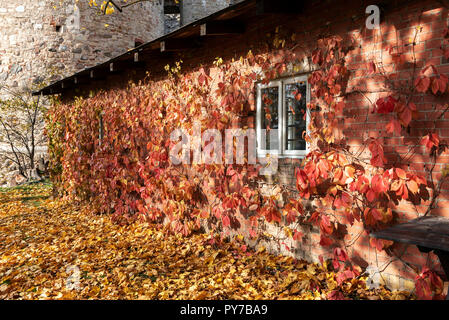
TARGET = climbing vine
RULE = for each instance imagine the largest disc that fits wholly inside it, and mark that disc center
(126, 170)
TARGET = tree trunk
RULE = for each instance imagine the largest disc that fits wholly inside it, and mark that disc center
(34, 175)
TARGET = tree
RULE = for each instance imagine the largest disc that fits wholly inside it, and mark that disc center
(109, 7)
(21, 125)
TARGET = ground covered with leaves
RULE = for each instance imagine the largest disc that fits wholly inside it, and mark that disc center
(46, 245)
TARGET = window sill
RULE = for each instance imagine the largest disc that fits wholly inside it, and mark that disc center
(284, 156)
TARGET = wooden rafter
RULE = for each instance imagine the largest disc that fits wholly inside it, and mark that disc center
(215, 28)
(179, 44)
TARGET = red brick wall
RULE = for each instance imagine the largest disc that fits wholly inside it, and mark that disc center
(347, 19)
(398, 29)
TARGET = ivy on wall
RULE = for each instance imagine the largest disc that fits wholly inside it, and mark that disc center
(128, 172)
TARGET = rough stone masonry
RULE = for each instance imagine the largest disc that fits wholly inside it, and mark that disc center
(44, 41)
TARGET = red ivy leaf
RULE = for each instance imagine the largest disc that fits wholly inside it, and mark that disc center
(297, 236)
(430, 140)
(394, 127)
(335, 295)
(340, 254)
(325, 225)
(378, 159)
(386, 105)
(372, 67)
(339, 107)
(226, 221)
(412, 186)
(317, 57)
(405, 116)
(325, 241)
(401, 173)
(422, 84)
(376, 243)
(428, 284)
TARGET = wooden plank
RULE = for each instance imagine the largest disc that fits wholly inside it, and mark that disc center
(427, 232)
(412, 233)
(80, 79)
(179, 44)
(119, 66)
(279, 7)
(68, 83)
(157, 55)
(98, 74)
(55, 90)
(429, 240)
(217, 28)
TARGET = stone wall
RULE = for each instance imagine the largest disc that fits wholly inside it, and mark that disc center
(192, 10)
(44, 41)
(41, 38)
(47, 41)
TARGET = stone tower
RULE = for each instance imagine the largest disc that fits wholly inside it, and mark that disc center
(46, 40)
(50, 39)
(192, 10)
(183, 12)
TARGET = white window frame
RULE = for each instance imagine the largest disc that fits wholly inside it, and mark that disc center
(282, 116)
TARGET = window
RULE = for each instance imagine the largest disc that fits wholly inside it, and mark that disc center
(282, 106)
(101, 129)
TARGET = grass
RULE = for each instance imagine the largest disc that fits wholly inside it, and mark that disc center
(30, 193)
(28, 186)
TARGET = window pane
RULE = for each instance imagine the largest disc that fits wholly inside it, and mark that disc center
(295, 100)
(270, 117)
